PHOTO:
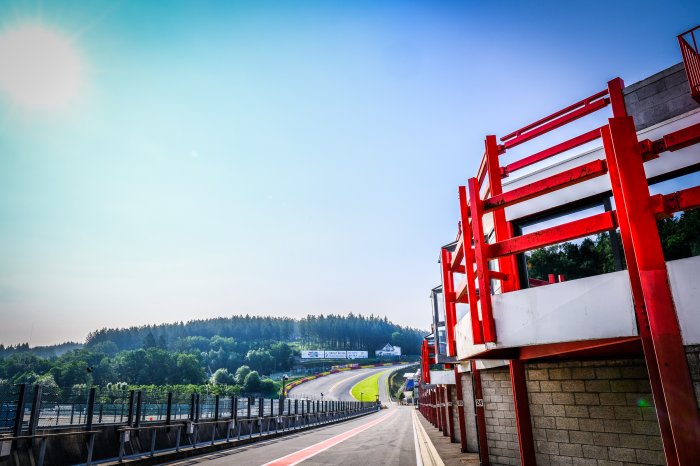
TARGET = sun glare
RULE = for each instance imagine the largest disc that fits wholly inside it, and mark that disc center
(39, 68)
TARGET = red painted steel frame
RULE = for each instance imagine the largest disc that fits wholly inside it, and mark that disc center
(450, 307)
(481, 258)
(469, 259)
(633, 194)
(691, 60)
(460, 411)
(446, 426)
(522, 413)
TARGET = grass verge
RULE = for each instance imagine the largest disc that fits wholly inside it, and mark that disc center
(367, 389)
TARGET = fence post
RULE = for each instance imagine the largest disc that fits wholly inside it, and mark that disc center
(19, 411)
(261, 407)
(216, 408)
(193, 401)
(35, 411)
(250, 399)
(130, 415)
(198, 408)
(137, 417)
(90, 409)
(169, 409)
(234, 408)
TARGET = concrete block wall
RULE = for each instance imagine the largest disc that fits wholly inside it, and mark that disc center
(501, 431)
(593, 413)
(659, 97)
(469, 413)
(692, 352)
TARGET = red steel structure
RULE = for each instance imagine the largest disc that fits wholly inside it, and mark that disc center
(691, 58)
(635, 215)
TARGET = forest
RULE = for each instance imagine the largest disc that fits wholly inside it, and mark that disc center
(239, 352)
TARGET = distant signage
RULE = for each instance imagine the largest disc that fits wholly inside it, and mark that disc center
(357, 355)
(336, 354)
(313, 354)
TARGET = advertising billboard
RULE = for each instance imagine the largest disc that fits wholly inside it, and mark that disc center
(357, 355)
(312, 354)
(336, 354)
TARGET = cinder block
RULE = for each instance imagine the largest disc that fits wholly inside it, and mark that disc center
(650, 457)
(613, 399)
(573, 386)
(559, 436)
(633, 440)
(634, 372)
(563, 398)
(589, 399)
(607, 372)
(576, 411)
(551, 448)
(556, 460)
(563, 373)
(567, 423)
(583, 373)
(545, 422)
(554, 410)
(541, 398)
(570, 449)
(602, 412)
(583, 462)
(599, 386)
(591, 425)
(606, 439)
(644, 427)
(577, 436)
(533, 386)
(537, 374)
(550, 386)
(628, 412)
(622, 454)
(617, 426)
(593, 451)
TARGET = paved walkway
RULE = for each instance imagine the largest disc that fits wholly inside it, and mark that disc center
(450, 453)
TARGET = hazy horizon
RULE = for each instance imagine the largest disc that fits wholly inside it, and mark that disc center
(182, 162)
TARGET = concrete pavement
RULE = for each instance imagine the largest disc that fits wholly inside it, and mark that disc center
(387, 437)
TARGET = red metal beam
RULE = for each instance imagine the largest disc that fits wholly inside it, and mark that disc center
(458, 253)
(450, 414)
(552, 151)
(523, 421)
(633, 194)
(577, 229)
(507, 266)
(469, 259)
(481, 258)
(548, 124)
(450, 307)
(547, 185)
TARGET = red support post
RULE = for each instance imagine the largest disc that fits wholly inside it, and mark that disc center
(482, 263)
(480, 415)
(450, 414)
(523, 422)
(448, 288)
(460, 410)
(477, 333)
(640, 310)
(623, 150)
(506, 265)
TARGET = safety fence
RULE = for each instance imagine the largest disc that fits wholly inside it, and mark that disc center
(147, 422)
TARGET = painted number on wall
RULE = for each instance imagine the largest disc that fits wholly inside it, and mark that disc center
(479, 402)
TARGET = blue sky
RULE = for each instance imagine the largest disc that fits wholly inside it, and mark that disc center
(277, 158)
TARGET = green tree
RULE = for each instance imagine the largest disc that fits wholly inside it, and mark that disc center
(251, 384)
(222, 377)
(241, 373)
(189, 369)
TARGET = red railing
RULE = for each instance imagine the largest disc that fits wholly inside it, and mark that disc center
(691, 60)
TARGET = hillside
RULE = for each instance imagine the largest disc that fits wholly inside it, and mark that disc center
(199, 351)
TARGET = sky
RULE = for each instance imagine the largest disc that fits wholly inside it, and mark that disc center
(169, 161)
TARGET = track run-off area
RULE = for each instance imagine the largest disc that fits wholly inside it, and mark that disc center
(388, 437)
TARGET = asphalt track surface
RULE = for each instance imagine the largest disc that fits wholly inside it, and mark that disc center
(382, 438)
(337, 386)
